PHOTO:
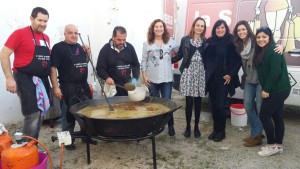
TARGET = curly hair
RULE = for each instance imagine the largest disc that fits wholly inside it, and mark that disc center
(151, 35)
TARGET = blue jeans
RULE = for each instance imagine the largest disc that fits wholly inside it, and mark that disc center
(161, 89)
(252, 93)
(32, 124)
(164, 90)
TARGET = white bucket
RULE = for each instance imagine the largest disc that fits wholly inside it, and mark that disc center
(238, 115)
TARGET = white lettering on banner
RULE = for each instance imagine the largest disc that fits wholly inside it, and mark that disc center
(168, 19)
(207, 19)
(223, 15)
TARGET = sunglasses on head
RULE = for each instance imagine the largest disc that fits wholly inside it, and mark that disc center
(161, 54)
(262, 28)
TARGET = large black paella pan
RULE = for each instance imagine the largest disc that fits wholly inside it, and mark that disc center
(123, 127)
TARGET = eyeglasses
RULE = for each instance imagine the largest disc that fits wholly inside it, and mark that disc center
(161, 54)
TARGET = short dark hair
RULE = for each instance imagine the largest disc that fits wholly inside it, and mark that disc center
(119, 29)
(37, 10)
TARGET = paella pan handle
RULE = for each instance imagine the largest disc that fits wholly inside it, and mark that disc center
(98, 78)
(173, 110)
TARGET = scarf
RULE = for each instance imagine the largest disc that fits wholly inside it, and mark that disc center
(247, 53)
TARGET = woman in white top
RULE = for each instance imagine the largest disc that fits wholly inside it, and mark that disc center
(156, 63)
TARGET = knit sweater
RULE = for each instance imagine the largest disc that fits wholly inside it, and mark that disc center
(272, 72)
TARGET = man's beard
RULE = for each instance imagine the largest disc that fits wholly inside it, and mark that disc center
(120, 47)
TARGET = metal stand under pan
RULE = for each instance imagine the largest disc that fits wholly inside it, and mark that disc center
(119, 139)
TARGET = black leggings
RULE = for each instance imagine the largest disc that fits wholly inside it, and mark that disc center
(272, 108)
(190, 101)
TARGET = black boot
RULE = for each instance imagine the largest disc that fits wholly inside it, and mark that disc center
(220, 136)
(213, 135)
(171, 131)
(71, 146)
(197, 132)
(187, 132)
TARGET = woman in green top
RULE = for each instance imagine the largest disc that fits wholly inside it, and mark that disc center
(274, 80)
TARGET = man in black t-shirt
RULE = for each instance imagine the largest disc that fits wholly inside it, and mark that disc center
(70, 60)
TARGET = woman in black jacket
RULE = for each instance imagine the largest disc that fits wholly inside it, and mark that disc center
(192, 81)
(222, 64)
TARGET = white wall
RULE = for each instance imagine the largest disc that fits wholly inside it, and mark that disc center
(93, 19)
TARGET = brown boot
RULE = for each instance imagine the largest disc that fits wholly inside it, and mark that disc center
(246, 139)
(254, 141)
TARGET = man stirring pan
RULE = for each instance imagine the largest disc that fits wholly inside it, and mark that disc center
(117, 61)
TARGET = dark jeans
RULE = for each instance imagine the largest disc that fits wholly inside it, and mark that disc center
(72, 93)
(218, 94)
(165, 91)
(272, 108)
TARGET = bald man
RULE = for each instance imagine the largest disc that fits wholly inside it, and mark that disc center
(69, 60)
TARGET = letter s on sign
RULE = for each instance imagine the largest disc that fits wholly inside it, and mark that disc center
(224, 14)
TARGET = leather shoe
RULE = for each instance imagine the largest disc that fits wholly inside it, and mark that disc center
(254, 141)
(212, 135)
(248, 138)
(91, 141)
(197, 133)
(171, 131)
(187, 133)
(219, 136)
(70, 147)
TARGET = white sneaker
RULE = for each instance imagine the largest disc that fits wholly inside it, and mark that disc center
(280, 149)
(268, 151)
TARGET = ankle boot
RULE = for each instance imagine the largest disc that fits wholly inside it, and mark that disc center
(220, 136)
(212, 135)
(197, 132)
(171, 130)
(187, 132)
(254, 141)
(248, 138)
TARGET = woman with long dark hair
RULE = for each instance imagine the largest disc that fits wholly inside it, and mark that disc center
(274, 80)
(244, 41)
(222, 64)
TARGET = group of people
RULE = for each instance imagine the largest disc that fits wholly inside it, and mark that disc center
(208, 66)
